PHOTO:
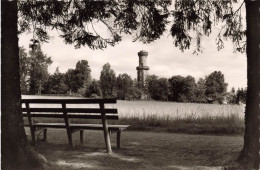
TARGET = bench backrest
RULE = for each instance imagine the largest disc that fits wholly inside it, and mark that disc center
(63, 108)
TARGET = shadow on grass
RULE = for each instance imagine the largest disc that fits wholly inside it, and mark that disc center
(60, 156)
(141, 150)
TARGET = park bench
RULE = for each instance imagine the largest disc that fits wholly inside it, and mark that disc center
(49, 109)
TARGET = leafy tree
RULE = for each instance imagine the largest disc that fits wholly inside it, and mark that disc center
(33, 70)
(38, 73)
(148, 19)
(24, 62)
(176, 83)
(216, 87)
(163, 88)
(182, 89)
(108, 81)
(152, 86)
(200, 91)
(241, 96)
(70, 81)
(231, 96)
(93, 90)
(56, 83)
(82, 76)
(79, 78)
(73, 20)
(124, 84)
(189, 89)
(158, 88)
(136, 92)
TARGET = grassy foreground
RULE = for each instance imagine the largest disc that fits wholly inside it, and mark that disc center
(140, 150)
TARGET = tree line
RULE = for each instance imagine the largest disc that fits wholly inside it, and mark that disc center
(211, 89)
(35, 79)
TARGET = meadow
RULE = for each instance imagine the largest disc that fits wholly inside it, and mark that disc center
(192, 118)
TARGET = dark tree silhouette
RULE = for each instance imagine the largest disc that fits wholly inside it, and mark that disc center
(240, 96)
(38, 71)
(147, 20)
(15, 149)
(124, 84)
(108, 81)
(216, 87)
(55, 84)
(182, 89)
(158, 88)
(82, 76)
(75, 20)
(70, 81)
(33, 70)
(200, 91)
(250, 152)
(24, 63)
(93, 89)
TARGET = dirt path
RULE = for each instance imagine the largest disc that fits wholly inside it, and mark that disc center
(141, 150)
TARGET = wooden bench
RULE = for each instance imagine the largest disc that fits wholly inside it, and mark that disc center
(61, 108)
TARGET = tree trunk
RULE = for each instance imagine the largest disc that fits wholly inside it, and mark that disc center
(16, 152)
(249, 155)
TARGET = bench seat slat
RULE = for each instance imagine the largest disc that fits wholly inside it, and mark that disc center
(69, 101)
(80, 126)
(70, 110)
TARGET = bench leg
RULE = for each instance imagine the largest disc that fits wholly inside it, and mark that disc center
(70, 139)
(69, 133)
(33, 135)
(81, 137)
(105, 128)
(107, 141)
(118, 138)
(107, 137)
(44, 135)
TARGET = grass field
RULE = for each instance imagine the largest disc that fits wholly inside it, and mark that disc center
(189, 118)
(176, 110)
(141, 150)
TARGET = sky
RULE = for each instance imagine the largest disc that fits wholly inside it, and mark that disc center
(164, 59)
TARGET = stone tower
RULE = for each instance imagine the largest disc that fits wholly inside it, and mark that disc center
(142, 69)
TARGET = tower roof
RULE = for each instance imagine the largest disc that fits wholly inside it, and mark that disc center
(142, 53)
